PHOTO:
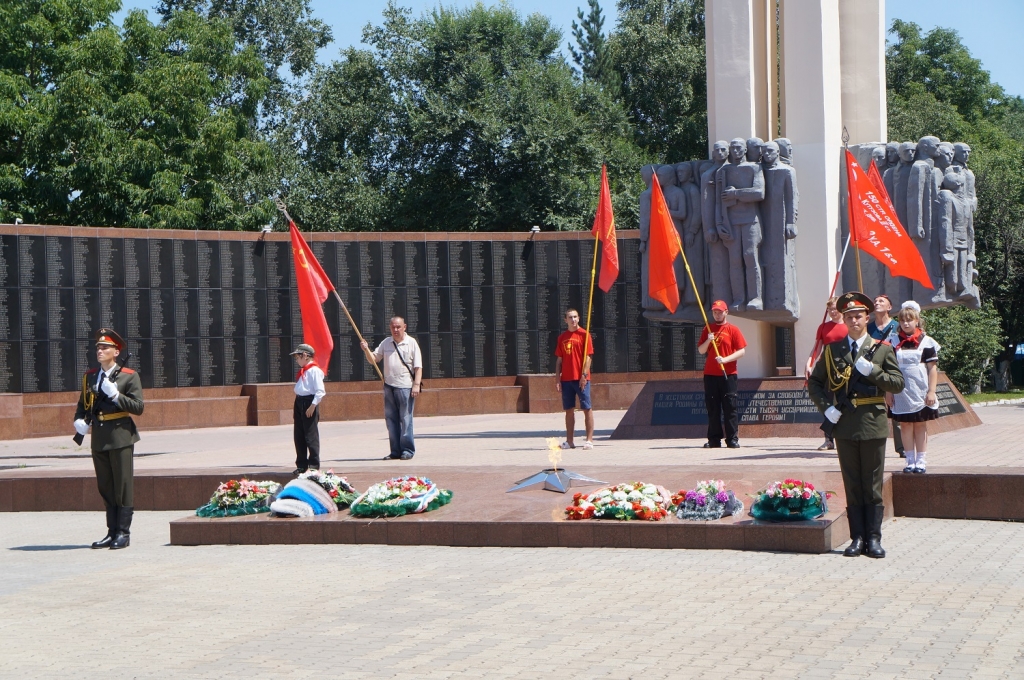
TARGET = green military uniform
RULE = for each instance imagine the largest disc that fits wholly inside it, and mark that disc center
(113, 434)
(863, 427)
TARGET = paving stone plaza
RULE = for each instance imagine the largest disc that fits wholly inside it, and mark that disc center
(946, 601)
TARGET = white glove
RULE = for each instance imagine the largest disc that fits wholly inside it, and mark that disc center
(81, 427)
(863, 366)
(110, 389)
(833, 414)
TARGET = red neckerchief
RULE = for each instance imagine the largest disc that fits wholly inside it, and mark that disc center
(305, 368)
(910, 341)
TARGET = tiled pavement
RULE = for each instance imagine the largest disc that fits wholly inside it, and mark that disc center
(505, 439)
(948, 601)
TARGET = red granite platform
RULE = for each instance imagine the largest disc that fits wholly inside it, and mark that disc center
(483, 514)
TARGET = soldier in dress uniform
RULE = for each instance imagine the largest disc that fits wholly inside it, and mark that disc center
(848, 386)
(111, 395)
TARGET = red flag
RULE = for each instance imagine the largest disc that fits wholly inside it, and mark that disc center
(314, 287)
(604, 229)
(875, 227)
(662, 251)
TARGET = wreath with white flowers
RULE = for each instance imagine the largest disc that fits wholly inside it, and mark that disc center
(239, 497)
(631, 500)
(400, 496)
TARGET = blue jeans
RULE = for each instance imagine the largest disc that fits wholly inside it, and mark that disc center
(398, 408)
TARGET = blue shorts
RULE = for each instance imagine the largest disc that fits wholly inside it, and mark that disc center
(570, 390)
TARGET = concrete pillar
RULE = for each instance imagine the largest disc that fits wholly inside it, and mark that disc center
(732, 64)
(813, 120)
(862, 63)
(741, 102)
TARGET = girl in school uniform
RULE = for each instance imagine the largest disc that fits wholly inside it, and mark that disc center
(917, 355)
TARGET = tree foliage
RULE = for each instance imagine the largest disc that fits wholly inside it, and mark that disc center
(460, 120)
(146, 126)
(935, 87)
(658, 52)
(969, 339)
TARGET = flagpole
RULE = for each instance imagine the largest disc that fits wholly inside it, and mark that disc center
(590, 300)
(832, 291)
(700, 304)
(849, 212)
(369, 355)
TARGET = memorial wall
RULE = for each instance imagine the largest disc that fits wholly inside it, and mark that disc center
(202, 309)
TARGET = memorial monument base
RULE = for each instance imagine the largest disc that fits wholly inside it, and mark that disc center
(769, 407)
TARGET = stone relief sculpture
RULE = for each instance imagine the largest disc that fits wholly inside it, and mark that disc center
(740, 187)
(778, 220)
(932, 191)
(717, 254)
(693, 233)
(736, 216)
(675, 199)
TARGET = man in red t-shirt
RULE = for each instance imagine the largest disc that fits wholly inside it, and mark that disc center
(572, 377)
(720, 395)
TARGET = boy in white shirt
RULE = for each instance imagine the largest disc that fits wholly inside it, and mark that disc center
(309, 391)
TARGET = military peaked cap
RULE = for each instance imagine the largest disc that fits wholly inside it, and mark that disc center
(107, 336)
(854, 301)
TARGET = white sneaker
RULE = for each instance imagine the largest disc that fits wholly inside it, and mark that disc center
(566, 445)
(588, 445)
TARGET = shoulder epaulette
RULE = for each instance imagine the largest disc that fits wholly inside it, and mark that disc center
(127, 370)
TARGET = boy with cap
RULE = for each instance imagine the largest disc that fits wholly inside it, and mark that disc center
(309, 391)
(848, 387)
(111, 395)
(723, 344)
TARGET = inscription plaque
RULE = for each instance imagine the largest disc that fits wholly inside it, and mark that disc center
(760, 407)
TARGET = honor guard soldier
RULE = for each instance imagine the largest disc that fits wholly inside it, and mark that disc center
(848, 386)
(111, 395)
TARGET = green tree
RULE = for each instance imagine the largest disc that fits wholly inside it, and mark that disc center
(658, 51)
(969, 338)
(148, 126)
(935, 87)
(460, 120)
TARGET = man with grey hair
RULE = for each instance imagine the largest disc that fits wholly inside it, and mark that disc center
(403, 371)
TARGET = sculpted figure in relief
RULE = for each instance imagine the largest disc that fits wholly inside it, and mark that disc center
(675, 199)
(693, 233)
(955, 233)
(718, 254)
(778, 220)
(740, 187)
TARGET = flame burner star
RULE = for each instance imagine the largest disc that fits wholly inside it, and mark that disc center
(553, 479)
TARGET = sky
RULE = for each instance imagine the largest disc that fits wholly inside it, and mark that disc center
(989, 28)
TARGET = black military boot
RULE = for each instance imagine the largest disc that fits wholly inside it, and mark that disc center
(873, 515)
(111, 529)
(124, 524)
(855, 518)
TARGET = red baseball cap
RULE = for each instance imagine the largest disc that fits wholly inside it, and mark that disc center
(719, 306)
